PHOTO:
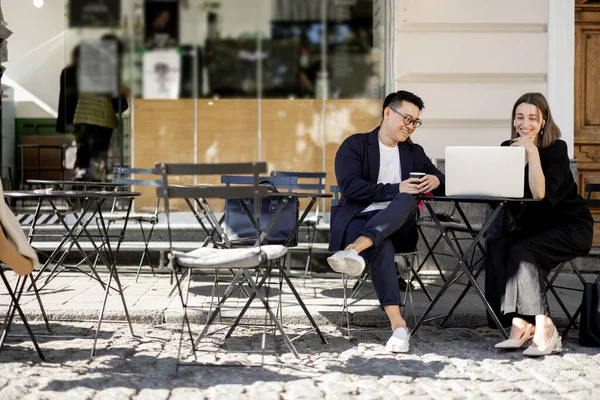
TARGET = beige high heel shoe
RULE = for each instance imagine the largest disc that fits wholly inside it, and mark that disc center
(512, 344)
(555, 346)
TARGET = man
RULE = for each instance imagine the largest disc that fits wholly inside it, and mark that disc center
(376, 217)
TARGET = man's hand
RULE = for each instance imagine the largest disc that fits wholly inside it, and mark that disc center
(428, 183)
(410, 186)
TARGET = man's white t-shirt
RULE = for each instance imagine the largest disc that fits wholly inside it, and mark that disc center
(389, 172)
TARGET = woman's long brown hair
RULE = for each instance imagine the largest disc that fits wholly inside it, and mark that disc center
(550, 132)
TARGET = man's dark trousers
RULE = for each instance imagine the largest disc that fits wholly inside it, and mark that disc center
(393, 230)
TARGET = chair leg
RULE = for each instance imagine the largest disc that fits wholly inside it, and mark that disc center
(228, 292)
(359, 283)
(345, 310)
(550, 288)
(312, 231)
(410, 267)
(421, 284)
(256, 291)
(185, 320)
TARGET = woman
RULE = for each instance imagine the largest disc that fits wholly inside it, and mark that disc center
(557, 228)
(95, 119)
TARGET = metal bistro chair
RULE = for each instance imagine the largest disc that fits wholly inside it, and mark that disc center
(311, 222)
(241, 260)
(124, 176)
(590, 189)
(409, 258)
(213, 227)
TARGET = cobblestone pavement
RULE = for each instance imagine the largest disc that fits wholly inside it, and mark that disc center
(448, 363)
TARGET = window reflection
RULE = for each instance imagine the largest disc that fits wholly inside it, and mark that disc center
(273, 49)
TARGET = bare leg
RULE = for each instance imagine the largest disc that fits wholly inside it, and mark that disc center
(518, 328)
(393, 313)
(544, 330)
(361, 243)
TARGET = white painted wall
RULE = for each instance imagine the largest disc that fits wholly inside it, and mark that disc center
(36, 51)
(561, 67)
(471, 59)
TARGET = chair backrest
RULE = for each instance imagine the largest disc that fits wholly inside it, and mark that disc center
(317, 187)
(281, 183)
(254, 191)
(120, 171)
(316, 184)
(590, 189)
(120, 174)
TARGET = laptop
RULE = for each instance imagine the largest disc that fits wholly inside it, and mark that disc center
(485, 171)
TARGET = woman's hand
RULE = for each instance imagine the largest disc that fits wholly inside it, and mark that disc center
(428, 183)
(527, 143)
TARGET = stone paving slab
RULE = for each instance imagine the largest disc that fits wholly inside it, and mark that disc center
(451, 363)
(74, 296)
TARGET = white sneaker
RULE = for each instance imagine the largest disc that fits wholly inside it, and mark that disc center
(347, 262)
(398, 342)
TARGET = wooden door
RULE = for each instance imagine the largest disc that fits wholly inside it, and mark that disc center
(587, 97)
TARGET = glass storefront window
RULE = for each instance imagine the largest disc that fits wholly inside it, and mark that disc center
(281, 81)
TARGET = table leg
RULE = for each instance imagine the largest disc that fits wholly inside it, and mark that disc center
(113, 272)
(17, 307)
(71, 235)
(462, 265)
(302, 305)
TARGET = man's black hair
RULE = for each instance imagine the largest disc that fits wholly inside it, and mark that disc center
(395, 98)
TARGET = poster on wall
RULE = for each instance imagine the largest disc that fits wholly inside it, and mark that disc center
(94, 13)
(99, 67)
(162, 74)
(161, 20)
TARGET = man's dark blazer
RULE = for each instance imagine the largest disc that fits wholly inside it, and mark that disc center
(357, 170)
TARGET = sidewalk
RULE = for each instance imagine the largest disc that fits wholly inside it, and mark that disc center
(451, 363)
(73, 296)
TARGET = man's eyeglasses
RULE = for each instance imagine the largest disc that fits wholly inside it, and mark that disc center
(408, 120)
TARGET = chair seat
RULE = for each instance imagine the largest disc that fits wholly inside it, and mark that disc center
(594, 252)
(211, 258)
(313, 220)
(117, 216)
(323, 226)
(399, 256)
(454, 226)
